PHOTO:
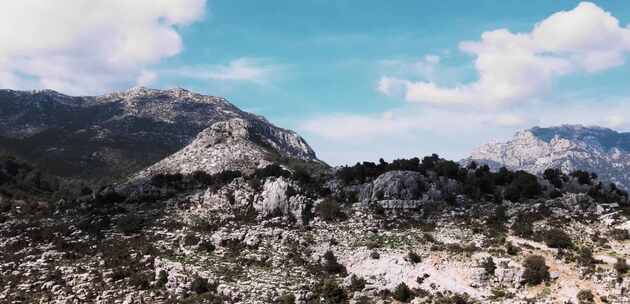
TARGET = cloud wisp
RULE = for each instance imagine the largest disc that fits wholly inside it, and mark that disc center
(258, 71)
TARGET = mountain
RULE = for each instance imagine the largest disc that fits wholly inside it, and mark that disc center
(236, 144)
(567, 147)
(114, 135)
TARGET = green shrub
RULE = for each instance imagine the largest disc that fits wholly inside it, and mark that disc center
(585, 257)
(522, 228)
(331, 265)
(140, 280)
(621, 266)
(489, 266)
(557, 238)
(620, 234)
(511, 249)
(357, 283)
(190, 239)
(413, 258)
(536, 270)
(162, 279)
(206, 246)
(329, 210)
(287, 298)
(403, 293)
(130, 223)
(199, 285)
(331, 293)
(585, 296)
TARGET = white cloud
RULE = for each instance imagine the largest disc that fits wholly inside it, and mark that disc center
(245, 70)
(515, 67)
(89, 46)
(254, 70)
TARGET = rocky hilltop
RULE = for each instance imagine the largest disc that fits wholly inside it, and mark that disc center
(114, 135)
(568, 147)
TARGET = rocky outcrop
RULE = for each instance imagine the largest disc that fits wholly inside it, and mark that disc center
(400, 185)
(235, 144)
(594, 149)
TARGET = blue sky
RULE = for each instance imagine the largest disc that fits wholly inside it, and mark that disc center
(358, 79)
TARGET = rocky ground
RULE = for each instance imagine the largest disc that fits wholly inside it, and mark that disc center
(204, 246)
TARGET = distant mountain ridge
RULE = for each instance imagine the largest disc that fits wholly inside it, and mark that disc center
(114, 135)
(567, 147)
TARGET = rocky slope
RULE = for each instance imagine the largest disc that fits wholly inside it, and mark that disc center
(593, 149)
(114, 135)
(419, 231)
(236, 144)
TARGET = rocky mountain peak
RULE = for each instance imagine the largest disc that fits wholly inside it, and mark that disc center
(235, 144)
(568, 147)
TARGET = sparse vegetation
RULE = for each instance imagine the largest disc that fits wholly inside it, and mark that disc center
(585, 296)
(403, 293)
(330, 264)
(536, 270)
(557, 238)
(488, 266)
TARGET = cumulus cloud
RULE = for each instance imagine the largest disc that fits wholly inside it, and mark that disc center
(515, 67)
(89, 46)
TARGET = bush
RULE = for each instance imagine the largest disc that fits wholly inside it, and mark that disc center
(620, 234)
(554, 177)
(329, 210)
(403, 293)
(331, 265)
(413, 258)
(206, 246)
(162, 279)
(332, 293)
(511, 249)
(357, 283)
(522, 228)
(130, 223)
(585, 296)
(287, 298)
(199, 285)
(190, 239)
(583, 177)
(488, 266)
(140, 280)
(523, 185)
(621, 266)
(557, 238)
(536, 271)
(585, 257)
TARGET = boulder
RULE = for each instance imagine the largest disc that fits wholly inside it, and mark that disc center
(401, 185)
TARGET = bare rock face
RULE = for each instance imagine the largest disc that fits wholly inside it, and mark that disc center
(235, 144)
(594, 149)
(400, 185)
(279, 196)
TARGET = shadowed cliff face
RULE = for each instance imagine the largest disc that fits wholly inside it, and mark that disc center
(111, 136)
